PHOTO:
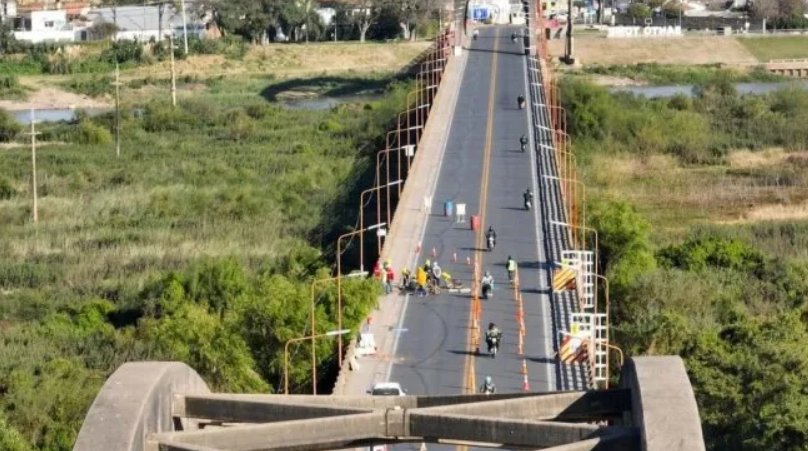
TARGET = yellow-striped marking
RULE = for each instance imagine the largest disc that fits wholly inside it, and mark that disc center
(562, 278)
(479, 239)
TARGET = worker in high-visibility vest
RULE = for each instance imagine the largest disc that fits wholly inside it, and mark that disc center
(420, 279)
(511, 268)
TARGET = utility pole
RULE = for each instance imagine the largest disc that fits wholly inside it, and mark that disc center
(173, 72)
(569, 57)
(117, 111)
(184, 27)
(33, 134)
(144, 22)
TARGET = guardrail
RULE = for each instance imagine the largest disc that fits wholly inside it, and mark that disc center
(564, 224)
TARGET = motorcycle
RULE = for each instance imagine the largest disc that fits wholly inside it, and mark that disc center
(524, 147)
(493, 346)
(491, 243)
(521, 101)
(487, 291)
(528, 204)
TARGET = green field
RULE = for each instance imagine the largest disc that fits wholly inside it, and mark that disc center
(776, 47)
(701, 208)
(198, 244)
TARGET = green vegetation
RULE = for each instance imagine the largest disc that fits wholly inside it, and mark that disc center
(779, 47)
(679, 160)
(199, 244)
(11, 89)
(728, 296)
(671, 74)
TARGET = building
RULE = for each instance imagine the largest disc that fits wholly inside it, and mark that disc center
(144, 23)
(44, 26)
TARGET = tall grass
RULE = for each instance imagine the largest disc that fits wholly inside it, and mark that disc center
(204, 179)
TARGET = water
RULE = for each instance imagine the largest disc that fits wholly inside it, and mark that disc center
(687, 90)
(53, 115)
(69, 114)
(326, 103)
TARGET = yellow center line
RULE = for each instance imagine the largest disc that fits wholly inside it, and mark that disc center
(489, 136)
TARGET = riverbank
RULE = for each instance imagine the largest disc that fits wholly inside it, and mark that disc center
(685, 50)
(199, 243)
(317, 63)
(700, 206)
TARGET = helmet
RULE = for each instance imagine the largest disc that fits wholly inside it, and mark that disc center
(491, 325)
(488, 380)
(488, 274)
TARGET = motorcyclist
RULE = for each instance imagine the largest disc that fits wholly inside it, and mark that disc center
(487, 284)
(523, 142)
(488, 387)
(521, 101)
(491, 238)
(528, 196)
(492, 333)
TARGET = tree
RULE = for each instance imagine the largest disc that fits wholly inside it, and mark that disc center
(366, 14)
(765, 9)
(104, 30)
(301, 15)
(624, 241)
(639, 11)
(413, 13)
(250, 19)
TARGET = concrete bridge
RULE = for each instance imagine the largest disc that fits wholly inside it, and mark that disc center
(150, 406)
(460, 144)
(797, 68)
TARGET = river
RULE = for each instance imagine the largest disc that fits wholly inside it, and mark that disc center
(314, 104)
(672, 90)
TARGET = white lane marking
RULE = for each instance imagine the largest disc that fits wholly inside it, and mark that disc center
(539, 247)
(433, 186)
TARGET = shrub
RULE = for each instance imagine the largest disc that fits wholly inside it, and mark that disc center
(160, 116)
(7, 191)
(9, 127)
(95, 86)
(123, 51)
(88, 132)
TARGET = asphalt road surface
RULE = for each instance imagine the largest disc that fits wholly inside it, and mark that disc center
(484, 168)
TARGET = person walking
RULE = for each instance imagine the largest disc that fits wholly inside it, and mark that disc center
(511, 268)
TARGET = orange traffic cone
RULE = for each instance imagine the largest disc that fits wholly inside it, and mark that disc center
(434, 253)
(418, 248)
(525, 384)
(454, 256)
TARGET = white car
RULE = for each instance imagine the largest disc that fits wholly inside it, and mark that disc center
(387, 389)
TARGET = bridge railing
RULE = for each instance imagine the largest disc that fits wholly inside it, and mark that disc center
(393, 163)
(565, 226)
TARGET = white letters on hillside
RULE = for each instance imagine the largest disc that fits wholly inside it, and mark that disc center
(637, 32)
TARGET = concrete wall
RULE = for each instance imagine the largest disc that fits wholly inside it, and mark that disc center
(663, 404)
(134, 402)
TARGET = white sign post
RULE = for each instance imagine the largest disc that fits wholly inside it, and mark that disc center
(461, 212)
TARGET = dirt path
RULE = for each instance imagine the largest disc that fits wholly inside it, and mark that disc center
(684, 50)
(46, 97)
